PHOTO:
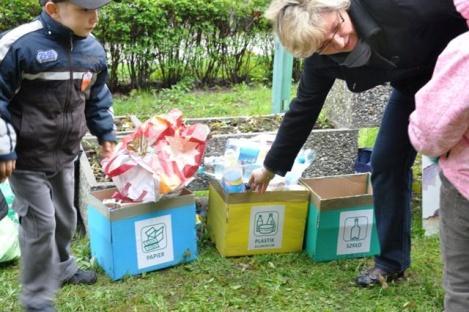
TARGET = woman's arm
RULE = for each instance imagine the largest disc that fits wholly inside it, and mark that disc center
(299, 120)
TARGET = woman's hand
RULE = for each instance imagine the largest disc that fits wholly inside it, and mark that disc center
(260, 179)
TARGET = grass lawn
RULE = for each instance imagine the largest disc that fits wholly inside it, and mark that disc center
(288, 282)
(241, 100)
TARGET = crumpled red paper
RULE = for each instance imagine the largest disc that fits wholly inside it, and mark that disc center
(161, 156)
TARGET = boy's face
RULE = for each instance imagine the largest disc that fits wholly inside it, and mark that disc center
(81, 21)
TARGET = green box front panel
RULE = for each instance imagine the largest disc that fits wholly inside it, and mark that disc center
(325, 240)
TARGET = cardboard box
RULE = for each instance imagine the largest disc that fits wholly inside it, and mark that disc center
(142, 237)
(341, 221)
(250, 223)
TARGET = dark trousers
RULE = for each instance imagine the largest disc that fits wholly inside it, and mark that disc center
(48, 220)
(392, 159)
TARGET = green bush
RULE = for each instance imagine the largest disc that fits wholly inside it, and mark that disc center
(16, 12)
(164, 41)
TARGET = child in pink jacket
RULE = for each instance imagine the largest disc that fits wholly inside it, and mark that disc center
(439, 127)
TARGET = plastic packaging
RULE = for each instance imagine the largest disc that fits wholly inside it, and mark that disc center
(243, 156)
(302, 161)
(213, 165)
(10, 246)
(245, 150)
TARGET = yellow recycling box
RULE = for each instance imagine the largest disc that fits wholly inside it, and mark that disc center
(250, 223)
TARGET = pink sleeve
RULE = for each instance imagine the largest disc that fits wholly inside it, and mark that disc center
(463, 8)
(441, 117)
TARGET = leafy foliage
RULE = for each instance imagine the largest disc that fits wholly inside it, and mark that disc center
(17, 12)
(165, 41)
(161, 42)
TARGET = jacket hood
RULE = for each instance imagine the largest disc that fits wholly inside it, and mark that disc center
(56, 29)
(463, 8)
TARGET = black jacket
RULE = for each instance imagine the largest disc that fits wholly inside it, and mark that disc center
(52, 85)
(405, 36)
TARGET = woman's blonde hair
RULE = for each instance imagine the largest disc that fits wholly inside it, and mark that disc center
(299, 24)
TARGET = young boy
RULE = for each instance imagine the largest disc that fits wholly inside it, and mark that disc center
(52, 84)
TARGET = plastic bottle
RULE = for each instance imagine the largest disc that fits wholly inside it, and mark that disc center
(248, 151)
(304, 159)
(232, 146)
(213, 165)
(232, 180)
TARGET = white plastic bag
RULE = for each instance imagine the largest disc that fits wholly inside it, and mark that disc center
(10, 247)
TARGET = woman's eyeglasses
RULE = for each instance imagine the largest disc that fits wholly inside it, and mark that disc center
(336, 30)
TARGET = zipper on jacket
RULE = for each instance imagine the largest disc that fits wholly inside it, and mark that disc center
(70, 91)
(65, 130)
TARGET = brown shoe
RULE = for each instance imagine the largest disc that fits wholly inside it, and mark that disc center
(376, 276)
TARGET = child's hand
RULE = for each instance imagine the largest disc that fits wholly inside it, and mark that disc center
(107, 148)
(6, 169)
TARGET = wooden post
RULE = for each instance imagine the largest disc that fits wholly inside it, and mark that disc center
(281, 81)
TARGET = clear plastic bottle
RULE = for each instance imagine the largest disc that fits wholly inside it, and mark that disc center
(304, 159)
(232, 180)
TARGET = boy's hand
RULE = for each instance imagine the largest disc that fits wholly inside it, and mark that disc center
(107, 148)
(260, 179)
(6, 169)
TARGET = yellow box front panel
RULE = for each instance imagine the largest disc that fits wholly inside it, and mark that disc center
(245, 229)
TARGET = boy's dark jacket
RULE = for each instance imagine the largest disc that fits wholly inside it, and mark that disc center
(406, 37)
(52, 85)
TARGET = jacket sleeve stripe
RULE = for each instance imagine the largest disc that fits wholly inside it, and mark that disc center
(53, 76)
(15, 34)
(7, 138)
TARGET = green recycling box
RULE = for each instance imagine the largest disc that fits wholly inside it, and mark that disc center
(341, 220)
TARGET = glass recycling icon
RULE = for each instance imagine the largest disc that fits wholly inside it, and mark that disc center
(356, 229)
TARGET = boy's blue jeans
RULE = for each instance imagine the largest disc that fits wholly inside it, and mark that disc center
(392, 159)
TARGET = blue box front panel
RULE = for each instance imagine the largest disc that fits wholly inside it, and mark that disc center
(100, 240)
(126, 234)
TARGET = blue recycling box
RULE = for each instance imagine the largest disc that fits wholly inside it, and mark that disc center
(142, 237)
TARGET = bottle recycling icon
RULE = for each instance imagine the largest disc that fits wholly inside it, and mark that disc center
(266, 226)
(355, 229)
